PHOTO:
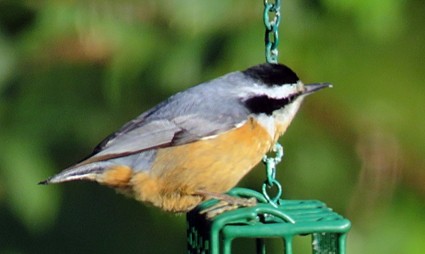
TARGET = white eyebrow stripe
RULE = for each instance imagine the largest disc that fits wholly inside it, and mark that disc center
(275, 92)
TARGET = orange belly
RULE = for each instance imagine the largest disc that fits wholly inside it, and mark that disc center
(212, 165)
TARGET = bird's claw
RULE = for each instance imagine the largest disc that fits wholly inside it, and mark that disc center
(227, 203)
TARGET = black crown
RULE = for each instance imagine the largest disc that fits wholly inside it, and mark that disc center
(272, 74)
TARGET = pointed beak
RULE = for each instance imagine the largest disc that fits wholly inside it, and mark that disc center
(311, 88)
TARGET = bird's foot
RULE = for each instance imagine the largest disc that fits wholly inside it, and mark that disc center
(226, 203)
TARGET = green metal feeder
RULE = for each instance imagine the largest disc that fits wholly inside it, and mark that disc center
(289, 219)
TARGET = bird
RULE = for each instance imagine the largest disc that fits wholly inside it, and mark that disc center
(199, 143)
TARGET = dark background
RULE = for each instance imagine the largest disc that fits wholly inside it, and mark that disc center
(71, 72)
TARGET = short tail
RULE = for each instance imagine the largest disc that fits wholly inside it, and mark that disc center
(84, 172)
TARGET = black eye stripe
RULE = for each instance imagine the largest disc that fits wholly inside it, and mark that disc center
(266, 105)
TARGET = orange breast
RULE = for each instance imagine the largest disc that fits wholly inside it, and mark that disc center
(212, 165)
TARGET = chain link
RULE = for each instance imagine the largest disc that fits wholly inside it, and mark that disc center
(271, 17)
(271, 181)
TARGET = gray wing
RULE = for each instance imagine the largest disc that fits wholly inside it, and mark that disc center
(201, 111)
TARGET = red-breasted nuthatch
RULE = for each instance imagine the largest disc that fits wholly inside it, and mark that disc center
(198, 143)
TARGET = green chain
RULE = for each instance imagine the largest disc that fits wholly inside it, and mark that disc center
(271, 17)
(271, 181)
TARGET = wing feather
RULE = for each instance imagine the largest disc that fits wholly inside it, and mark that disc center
(194, 114)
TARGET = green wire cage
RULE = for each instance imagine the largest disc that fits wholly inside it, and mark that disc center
(288, 219)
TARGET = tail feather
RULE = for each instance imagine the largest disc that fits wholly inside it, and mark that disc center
(84, 172)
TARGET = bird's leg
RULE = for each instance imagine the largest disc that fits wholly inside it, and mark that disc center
(225, 203)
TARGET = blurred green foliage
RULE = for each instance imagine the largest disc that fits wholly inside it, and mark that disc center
(71, 72)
